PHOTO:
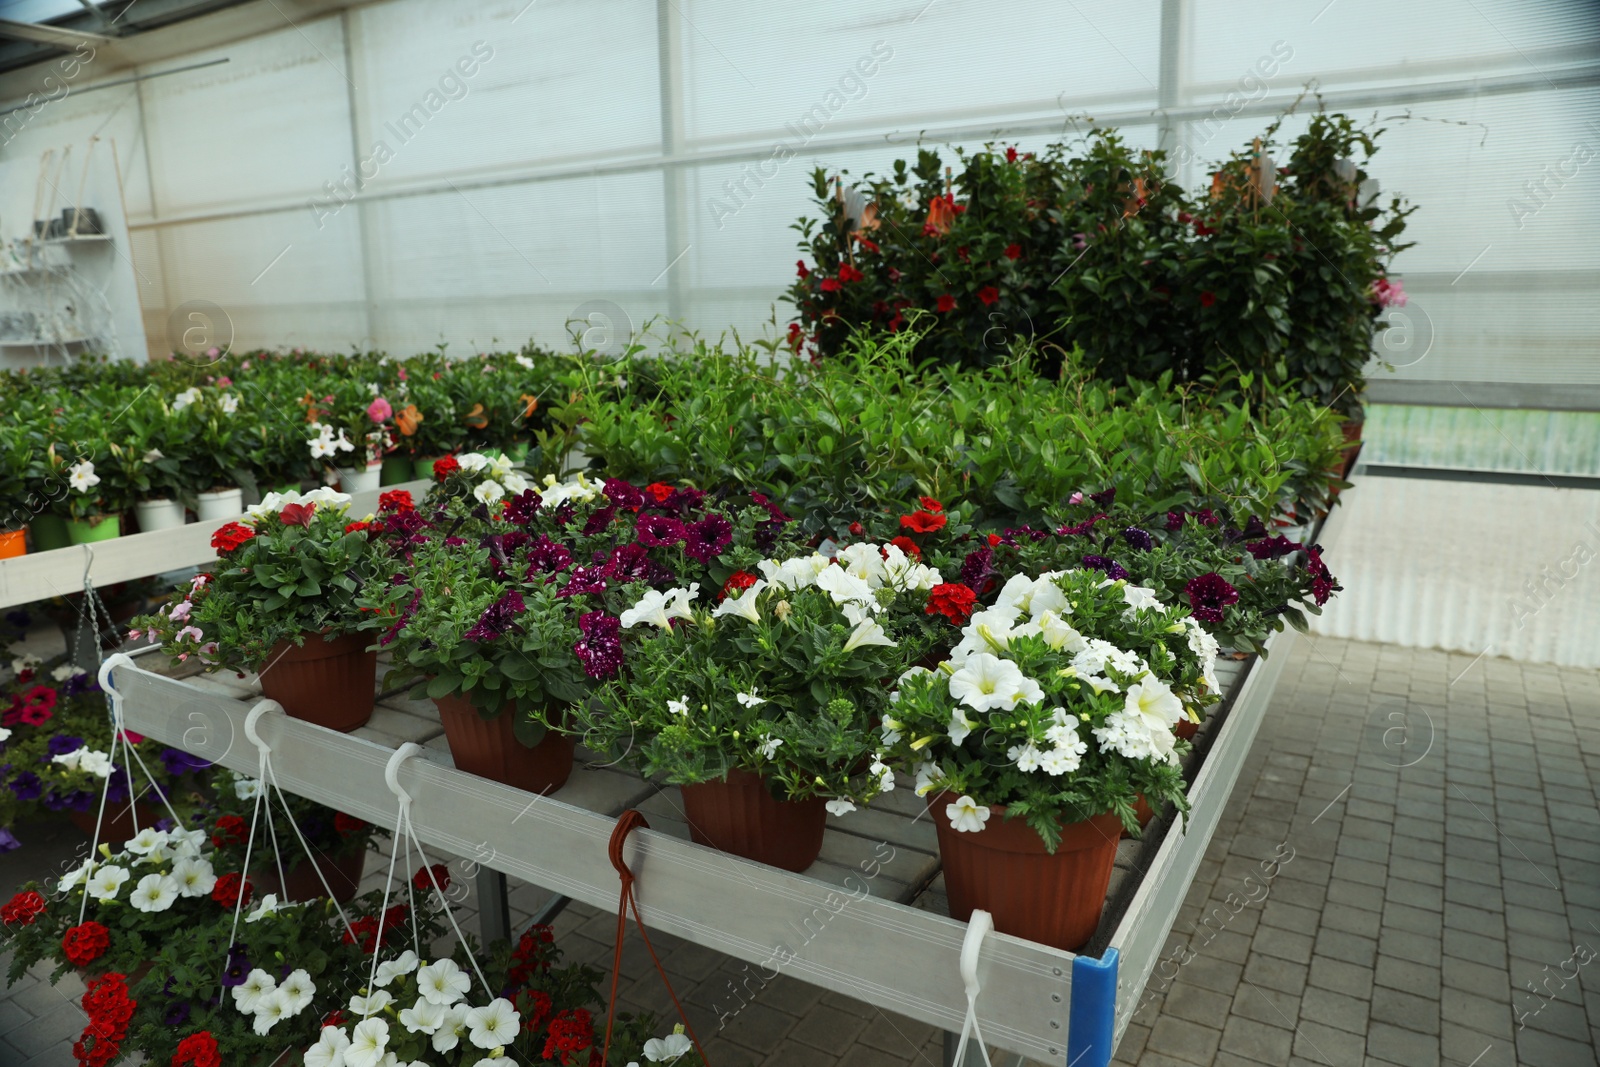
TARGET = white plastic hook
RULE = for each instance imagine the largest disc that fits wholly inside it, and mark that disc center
(391, 772)
(977, 928)
(254, 716)
(115, 660)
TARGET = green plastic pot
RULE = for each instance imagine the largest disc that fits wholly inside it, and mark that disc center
(82, 532)
(49, 531)
(518, 452)
(397, 469)
(423, 468)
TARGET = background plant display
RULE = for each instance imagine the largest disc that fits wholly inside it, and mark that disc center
(231, 807)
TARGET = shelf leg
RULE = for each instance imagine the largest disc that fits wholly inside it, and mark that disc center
(494, 910)
(1092, 1020)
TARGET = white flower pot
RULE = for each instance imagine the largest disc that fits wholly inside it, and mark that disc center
(359, 481)
(221, 504)
(159, 514)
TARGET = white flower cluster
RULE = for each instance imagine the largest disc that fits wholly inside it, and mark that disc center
(191, 874)
(852, 579)
(325, 444)
(272, 1001)
(323, 496)
(578, 488)
(27, 661)
(499, 476)
(440, 1012)
(85, 759)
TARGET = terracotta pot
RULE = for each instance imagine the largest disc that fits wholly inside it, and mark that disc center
(1185, 730)
(330, 683)
(490, 749)
(1004, 869)
(117, 826)
(739, 815)
(300, 882)
(1141, 811)
(13, 543)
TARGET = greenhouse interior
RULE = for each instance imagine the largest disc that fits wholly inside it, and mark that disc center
(916, 533)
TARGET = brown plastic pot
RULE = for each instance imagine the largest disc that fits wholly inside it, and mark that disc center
(118, 825)
(330, 683)
(1004, 869)
(300, 881)
(739, 815)
(489, 748)
(1186, 729)
(1141, 811)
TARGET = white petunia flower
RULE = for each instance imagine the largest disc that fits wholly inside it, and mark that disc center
(367, 1044)
(797, 573)
(329, 1049)
(494, 1024)
(524, 362)
(154, 893)
(489, 492)
(515, 483)
(868, 632)
(246, 788)
(372, 1003)
(660, 608)
(742, 604)
(268, 905)
(96, 763)
(966, 815)
(864, 561)
(423, 1017)
(960, 726)
(839, 806)
(499, 466)
(270, 1010)
(846, 588)
(925, 772)
(1138, 597)
(229, 403)
(986, 682)
(184, 399)
(389, 970)
(884, 773)
(194, 876)
(666, 1049)
(1026, 757)
(65, 671)
(448, 1035)
(1058, 633)
(186, 843)
(443, 982)
(146, 841)
(297, 991)
(106, 883)
(256, 987)
(472, 461)
(1155, 702)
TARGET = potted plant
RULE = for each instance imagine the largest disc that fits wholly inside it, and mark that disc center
(149, 465)
(1034, 740)
(90, 512)
(362, 419)
(220, 453)
(14, 463)
(281, 601)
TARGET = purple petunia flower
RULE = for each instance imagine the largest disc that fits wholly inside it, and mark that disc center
(977, 571)
(659, 531)
(1271, 548)
(1323, 583)
(405, 617)
(623, 494)
(1105, 497)
(632, 563)
(26, 786)
(600, 648)
(8, 841)
(1208, 594)
(61, 744)
(708, 538)
(78, 685)
(1139, 539)
(585, 580)
(177, 761)
(1082, 527)
(1174, 521)
(772, 509)
(497, 618)
(238, 968)
(177, 1015)
(521, 508)
(683, 500)
(599, 521)
(1101, 563)
(548, 557)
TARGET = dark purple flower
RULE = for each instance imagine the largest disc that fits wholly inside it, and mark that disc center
(78, 685)
(1105, 497)
(26, 786)
(1138, 539)
(454, 541)
(707, 539)
(562, 515)
(1083, 527)
(1207, 517)
(977, 571)
(1254, 529)
(623, 495)
(61, 744)
(585, 580)
(600, 648)
(177, 1015)
(1208, 594)
(1271, 548)
(599, 521)
(1174, 521)
(766, 534)
(497, 618)
(1012, 536)
(118, 788)
(1323, 583)
(8, 841)
(53, 801)
(521, 508)
(632, 563)
(683, 500)
(177, 761)
(548, 557)
(659, 531)
(405, 617)
(772, 509)
(83, 800)
(238, 968)
(1100, 563)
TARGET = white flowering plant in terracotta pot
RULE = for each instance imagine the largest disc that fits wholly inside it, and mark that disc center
(1058, 704)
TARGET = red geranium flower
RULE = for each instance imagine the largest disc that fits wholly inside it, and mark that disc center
(229, 537)
(445, 467)
(396, 500)
(347, 824)
(23, 909)
(930, 504)
(85, 944)
(831, 285)
(659, 491)
(231, 890)
(952, 600)
(1013, 251)
(297, 514)
(923, 522)
(796, 337)
(988, 295)
(906, 545)
(1207, 298)
(571, 1032)
(352, 527)
(737, 582)
(947, 303)
(198, 1049)
(440, 872)
(847, 273)
(231, 830)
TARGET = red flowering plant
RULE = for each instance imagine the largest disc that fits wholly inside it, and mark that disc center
(290, 571)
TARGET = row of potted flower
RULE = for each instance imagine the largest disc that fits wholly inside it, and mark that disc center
(1040, 677)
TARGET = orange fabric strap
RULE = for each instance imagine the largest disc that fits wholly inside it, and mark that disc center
(627, 822)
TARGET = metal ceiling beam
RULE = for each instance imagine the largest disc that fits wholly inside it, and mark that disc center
(54, 36)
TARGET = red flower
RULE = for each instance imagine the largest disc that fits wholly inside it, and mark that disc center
(347, 824)
(1207, 298)
(923, 522)
(297, 514)
(352, 527)
(440, 874)
(930, 504)
(994, 539)
(1013, 251)
(35, 715)
(231, 890)
(831, 285)
(23, 909)
(445, 467)
(1011, 154)
(659, 491)
(571, 1032)
(737, 582)
(947, 303)
(906, 545)
(894, 275)
(85, 944)
(396, 500)
(536, 1008)
(856, 529)
(198, 1049)
(848, 274)
(800, 268)
(952, 600)
(988, 295)
(796, 337)
(229, 537)
(1208, 594)
(230, 830)
(335, 1017)
(868, 244)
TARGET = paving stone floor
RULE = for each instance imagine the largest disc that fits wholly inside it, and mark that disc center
(1445, 840)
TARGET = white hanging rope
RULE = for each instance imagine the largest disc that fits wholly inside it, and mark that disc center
(977, 927)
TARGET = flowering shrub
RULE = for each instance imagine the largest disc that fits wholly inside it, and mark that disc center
(1058, 704)
(289, 572)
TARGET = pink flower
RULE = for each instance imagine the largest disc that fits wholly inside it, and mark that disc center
(225, 381)
(134, 635)
(181, 612)
(379, 410)
(213, 352)
(1075, 498)
(186, 631)
(1389, 293)
(402, 374)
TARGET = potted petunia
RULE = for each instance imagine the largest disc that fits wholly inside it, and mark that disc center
(762, 700)
(1035, 740)
(281, 600)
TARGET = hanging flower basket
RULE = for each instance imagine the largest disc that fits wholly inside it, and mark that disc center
(488, 747)
(1006, 870)
(739, 815)
(117, 824)
(331, 683)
